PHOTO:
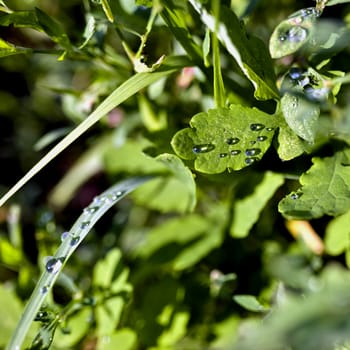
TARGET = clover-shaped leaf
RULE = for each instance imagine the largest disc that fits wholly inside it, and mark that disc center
(225, 138)
(325, 189)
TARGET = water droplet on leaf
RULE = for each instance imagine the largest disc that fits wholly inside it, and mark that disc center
(235, 152)
(250, 160)
(261, 138)
(85, 225)
(232, 140)
(64, 236)
(203, 148)
(53, 265)
(74, 241)
(44, 289)
(256, 127)
(253, 142)
(223, 155)
(269, 129)
(91, 209)
(294, 35)
(296, 195)
(252, 152)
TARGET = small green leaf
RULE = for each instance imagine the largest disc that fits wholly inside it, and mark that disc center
(301, 115)
(107, 10)
(291, 34)
(53, 29)
(337, 237)
(225, 138)
(9, 255)
(324, 191)
(122, 339)
(250, 303)
(7, 49)
(246, 210)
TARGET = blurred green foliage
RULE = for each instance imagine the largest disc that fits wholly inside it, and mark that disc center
(200, 257)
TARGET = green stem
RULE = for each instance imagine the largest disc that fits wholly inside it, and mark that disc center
(219, 89)
(70, 241)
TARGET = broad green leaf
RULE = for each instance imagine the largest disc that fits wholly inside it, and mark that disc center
(337, 238)
(301, 115)
(225, 138)
(249, 52)
(324, 191)
(7, 49)
(122, 339)
(291, 34)
(249, 302)
(21, 19)
(246, 211)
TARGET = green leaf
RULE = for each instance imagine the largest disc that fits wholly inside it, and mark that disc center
(324, 191)
(291, 34)
(246, 210)
(122, 339)
(249, 52)
(250, 303)
(336, 2)
(21, 19)
(7, 49)
(147, 3)
(53, 29)
(111, 277)
(290, 145)
(337, 237)
(9, 255)
(301, 115)
(107, 10)
(225, 138)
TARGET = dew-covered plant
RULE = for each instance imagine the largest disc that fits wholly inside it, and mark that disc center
(237, 115)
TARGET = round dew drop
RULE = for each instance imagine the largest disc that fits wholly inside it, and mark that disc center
(85, 225)
(250, 160)
(223, 155)
(294, 35)
(44, 289)
(232, 141)
(203, 148)
(64, 236)
(256, 127)
(235, 152)
(261, 138)
(53, 265)
(74, 241)
(252, 152)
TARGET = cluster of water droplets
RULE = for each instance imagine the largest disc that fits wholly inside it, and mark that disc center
(233, 144)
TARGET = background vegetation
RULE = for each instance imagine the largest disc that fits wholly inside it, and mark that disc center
(241, 238)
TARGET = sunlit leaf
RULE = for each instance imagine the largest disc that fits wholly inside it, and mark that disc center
(249, 51)
(246, 210)
(337, 238)
(291, 34)
(7, 49)
(324, 191)
(225, 138)
(122, 339)
(249, 302)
